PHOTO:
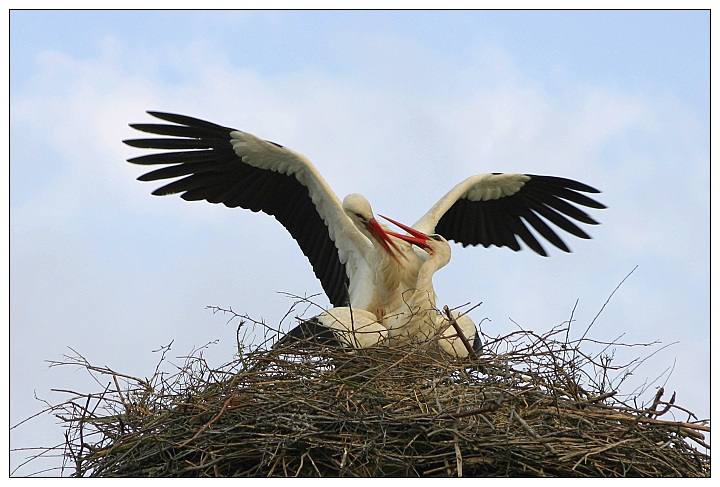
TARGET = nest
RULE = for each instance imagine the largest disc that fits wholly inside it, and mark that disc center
(529, 405)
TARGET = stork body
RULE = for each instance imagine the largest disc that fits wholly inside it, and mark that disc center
(376, 276)
(451, 343)
(338, 327)
(417, 319)
(351, 256)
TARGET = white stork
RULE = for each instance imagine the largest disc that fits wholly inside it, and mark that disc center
(415, 319)
(418, 318)
(223, 165)
(353, 257)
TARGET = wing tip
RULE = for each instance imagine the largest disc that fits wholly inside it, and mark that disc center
(159, 114)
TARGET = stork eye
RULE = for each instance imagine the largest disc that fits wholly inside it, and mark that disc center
(437, 237)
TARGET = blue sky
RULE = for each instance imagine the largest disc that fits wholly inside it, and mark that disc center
(399, 106)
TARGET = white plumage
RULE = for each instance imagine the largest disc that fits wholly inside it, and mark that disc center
(338, 327)
(417, 318)
(451, 343)
(354, 328)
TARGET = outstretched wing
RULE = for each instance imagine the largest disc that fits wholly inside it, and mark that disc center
(222, 165)
(495, 209)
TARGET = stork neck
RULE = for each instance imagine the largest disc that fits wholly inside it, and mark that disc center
(387, 271)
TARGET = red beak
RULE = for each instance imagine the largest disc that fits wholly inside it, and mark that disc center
(382, 236)
(417, 237)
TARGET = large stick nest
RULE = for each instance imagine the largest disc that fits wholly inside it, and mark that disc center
(531, 405)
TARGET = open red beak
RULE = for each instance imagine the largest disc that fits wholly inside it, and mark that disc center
(382, 236)
(416, 237)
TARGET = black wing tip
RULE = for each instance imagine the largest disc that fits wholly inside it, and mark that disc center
(586, 188)
(152, 128)
(134, 143)
(477, 343)
(542, 252)
(168, 143)
(163, 115)
(157, 114)
(160, 191)
(145, 177)
(139, 125)
(149, 143)
(137, 159)
(186, 120)
(310, 333)
(573, 189)
(566, 182)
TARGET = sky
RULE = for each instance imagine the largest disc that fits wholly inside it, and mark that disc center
(397, 105)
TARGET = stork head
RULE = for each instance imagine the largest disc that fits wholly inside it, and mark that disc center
(434, 244)
(358, 209)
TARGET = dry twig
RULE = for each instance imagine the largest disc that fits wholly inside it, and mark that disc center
(529, 405)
